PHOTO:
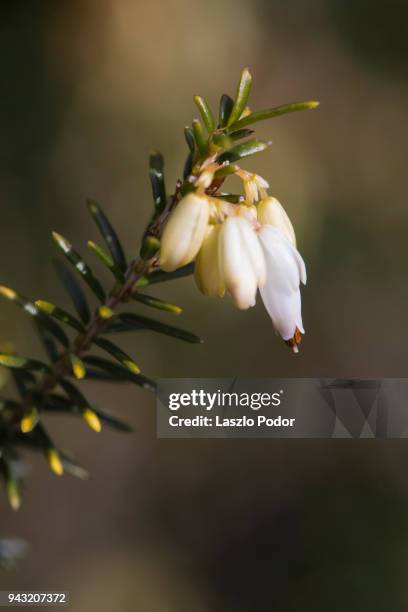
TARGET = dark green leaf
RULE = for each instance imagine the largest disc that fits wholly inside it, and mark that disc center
(74, 291)
(241, 150)
(160, 276)
(116, 352)
(75, 395)
(156, 173)
(272, 112)
(226, 104)
(80, 265)
(113, 372)
(205, 112)
(189, 136)
(241, 134)
(130, 321)
(112, 421)
(188, 166)
(60, 403)
(241, 97)
(48, 341)
(109, 235)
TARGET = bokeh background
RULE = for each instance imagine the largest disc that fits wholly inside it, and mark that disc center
(89, 87)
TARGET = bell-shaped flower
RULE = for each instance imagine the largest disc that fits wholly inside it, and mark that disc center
(241, 260)
(280, 294)
(271, 212)
(184, 232)
(207, 271)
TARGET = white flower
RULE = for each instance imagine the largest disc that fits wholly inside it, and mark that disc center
(207, 271)
(271, 212)
(280, 294)
(241, 261)
(184, 232)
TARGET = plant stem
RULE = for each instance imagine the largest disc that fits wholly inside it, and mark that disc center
(82, 342)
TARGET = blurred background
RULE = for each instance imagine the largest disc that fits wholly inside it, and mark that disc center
(89, 88)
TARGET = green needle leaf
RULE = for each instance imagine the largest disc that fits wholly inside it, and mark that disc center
(80, 265)
(149, 300)
(114, 372)
(226, 105)
(244, 149)
(116, 352)
(14, 361)
(107, 260)
(241, 97)
(272, 112)
(199, 137)
(156, 173)
(240, 134)
(112, 420)
(189, 136)
(160, 276)
(60, 314)
(109, 235)
(134, 322)
(205, 112)
(74, 290)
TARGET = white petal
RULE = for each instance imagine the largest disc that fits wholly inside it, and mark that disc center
(281, 294)
(272, 238)
(252, 247)
(207, 273)
(184, 232)
(236, 267)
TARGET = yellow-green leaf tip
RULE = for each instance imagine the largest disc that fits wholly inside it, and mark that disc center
(131, 366)
(8, 293)
(78, 367)
(29, 421)
(54, 462)
(105, 312)
(92, 420)
(13, 495)
(45, 306)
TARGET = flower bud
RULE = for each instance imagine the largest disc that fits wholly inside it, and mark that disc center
(271, 212)
(207, 272)
(184, 232)
(241, 261)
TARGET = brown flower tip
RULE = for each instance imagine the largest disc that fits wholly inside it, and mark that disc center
(295, 341)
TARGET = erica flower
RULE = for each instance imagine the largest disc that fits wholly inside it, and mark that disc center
(271, 212)
(240, 260)
(280, 294)
(184, 232)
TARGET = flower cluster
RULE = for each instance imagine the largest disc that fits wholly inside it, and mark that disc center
(239, 248)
